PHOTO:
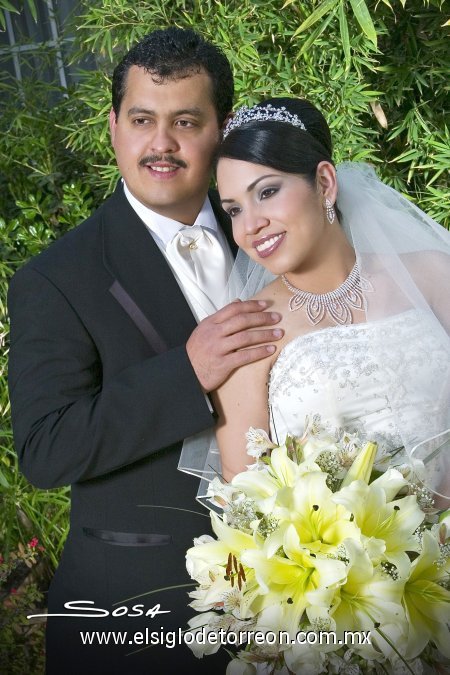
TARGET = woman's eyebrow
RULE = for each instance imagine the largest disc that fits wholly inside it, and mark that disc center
(251, 186)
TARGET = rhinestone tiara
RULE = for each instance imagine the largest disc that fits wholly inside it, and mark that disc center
(262, 113)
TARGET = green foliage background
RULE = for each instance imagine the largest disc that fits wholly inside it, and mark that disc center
(376, 70)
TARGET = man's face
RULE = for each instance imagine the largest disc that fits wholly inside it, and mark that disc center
(164, 138)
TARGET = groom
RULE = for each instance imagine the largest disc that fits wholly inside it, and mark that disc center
(112, 359)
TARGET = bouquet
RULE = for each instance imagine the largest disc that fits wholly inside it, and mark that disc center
(327, 559)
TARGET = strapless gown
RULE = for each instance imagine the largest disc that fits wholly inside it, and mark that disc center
(357, 377)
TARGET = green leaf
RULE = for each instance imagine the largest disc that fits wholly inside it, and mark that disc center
(343, 25)
(5, 4)
(318, 13)
(364, 19)
(314, 35)
(32, 8)
(3, 481)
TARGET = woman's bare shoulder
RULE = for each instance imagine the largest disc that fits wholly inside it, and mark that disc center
(271, 292)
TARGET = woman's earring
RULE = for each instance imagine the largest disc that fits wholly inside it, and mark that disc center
(330, 211)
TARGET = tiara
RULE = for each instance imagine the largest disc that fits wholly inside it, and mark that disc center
(262, 113)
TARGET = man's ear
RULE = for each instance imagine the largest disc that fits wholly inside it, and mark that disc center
(326, 180)
(112, 124)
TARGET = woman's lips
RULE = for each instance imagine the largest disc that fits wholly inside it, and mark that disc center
(267, 245)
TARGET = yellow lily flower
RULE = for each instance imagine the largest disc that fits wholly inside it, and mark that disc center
(288, 580)
(393, 523)
(362, 466)
(263, 485)
(321, 523)
(427, 603)
(368, 599)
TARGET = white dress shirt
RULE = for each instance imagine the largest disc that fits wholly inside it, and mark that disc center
(163, 231)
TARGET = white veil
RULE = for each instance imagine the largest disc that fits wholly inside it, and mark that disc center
(406, 256)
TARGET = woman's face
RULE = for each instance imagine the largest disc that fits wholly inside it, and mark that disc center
(277, 217)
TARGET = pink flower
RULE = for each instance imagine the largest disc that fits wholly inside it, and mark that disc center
(33, 543)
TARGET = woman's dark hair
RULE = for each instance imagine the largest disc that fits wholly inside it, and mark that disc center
(281, 145)
(175, 53)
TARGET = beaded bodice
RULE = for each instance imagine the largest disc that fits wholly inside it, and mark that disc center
(342, 372)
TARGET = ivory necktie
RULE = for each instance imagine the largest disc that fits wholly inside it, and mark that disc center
(200, 263)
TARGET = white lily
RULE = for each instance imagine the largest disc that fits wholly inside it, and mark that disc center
(444, 527)
(239, 667)
(204, 624)
(211, 560)
(222, 494)
(299, 658)
(229, 540)
(304, 659)
(212, 595)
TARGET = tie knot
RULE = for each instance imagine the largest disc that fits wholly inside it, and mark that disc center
(200, 263)
(190, 237)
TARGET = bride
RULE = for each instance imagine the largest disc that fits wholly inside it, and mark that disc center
(361, 278)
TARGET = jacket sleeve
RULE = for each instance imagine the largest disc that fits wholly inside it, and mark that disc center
(68, 425)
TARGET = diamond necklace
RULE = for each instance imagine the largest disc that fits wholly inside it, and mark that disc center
(336, 303)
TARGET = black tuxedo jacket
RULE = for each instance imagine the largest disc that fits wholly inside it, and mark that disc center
(102, 395)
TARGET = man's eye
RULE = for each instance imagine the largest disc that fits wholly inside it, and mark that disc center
(185, 123)
(268, 192)
(139, 121)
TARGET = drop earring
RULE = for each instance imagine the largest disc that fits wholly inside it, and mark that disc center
(330, 211)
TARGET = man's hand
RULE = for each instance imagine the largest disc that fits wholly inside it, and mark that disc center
(227, 340)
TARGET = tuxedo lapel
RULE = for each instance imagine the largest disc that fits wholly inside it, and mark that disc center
(138, 317)
(142, 281)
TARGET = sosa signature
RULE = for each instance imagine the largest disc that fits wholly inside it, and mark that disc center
(82, 608)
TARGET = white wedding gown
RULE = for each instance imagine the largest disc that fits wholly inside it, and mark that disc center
(356, 378)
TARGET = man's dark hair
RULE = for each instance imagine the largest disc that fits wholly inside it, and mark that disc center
(175, 53)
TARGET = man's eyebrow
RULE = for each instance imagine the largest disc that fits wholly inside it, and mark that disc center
(251, 186)
(136, 110)
(196, 112)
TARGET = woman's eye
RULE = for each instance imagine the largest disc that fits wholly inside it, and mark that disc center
(268, 192)
(233, 211)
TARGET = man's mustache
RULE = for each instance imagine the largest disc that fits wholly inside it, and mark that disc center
(170, 159)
